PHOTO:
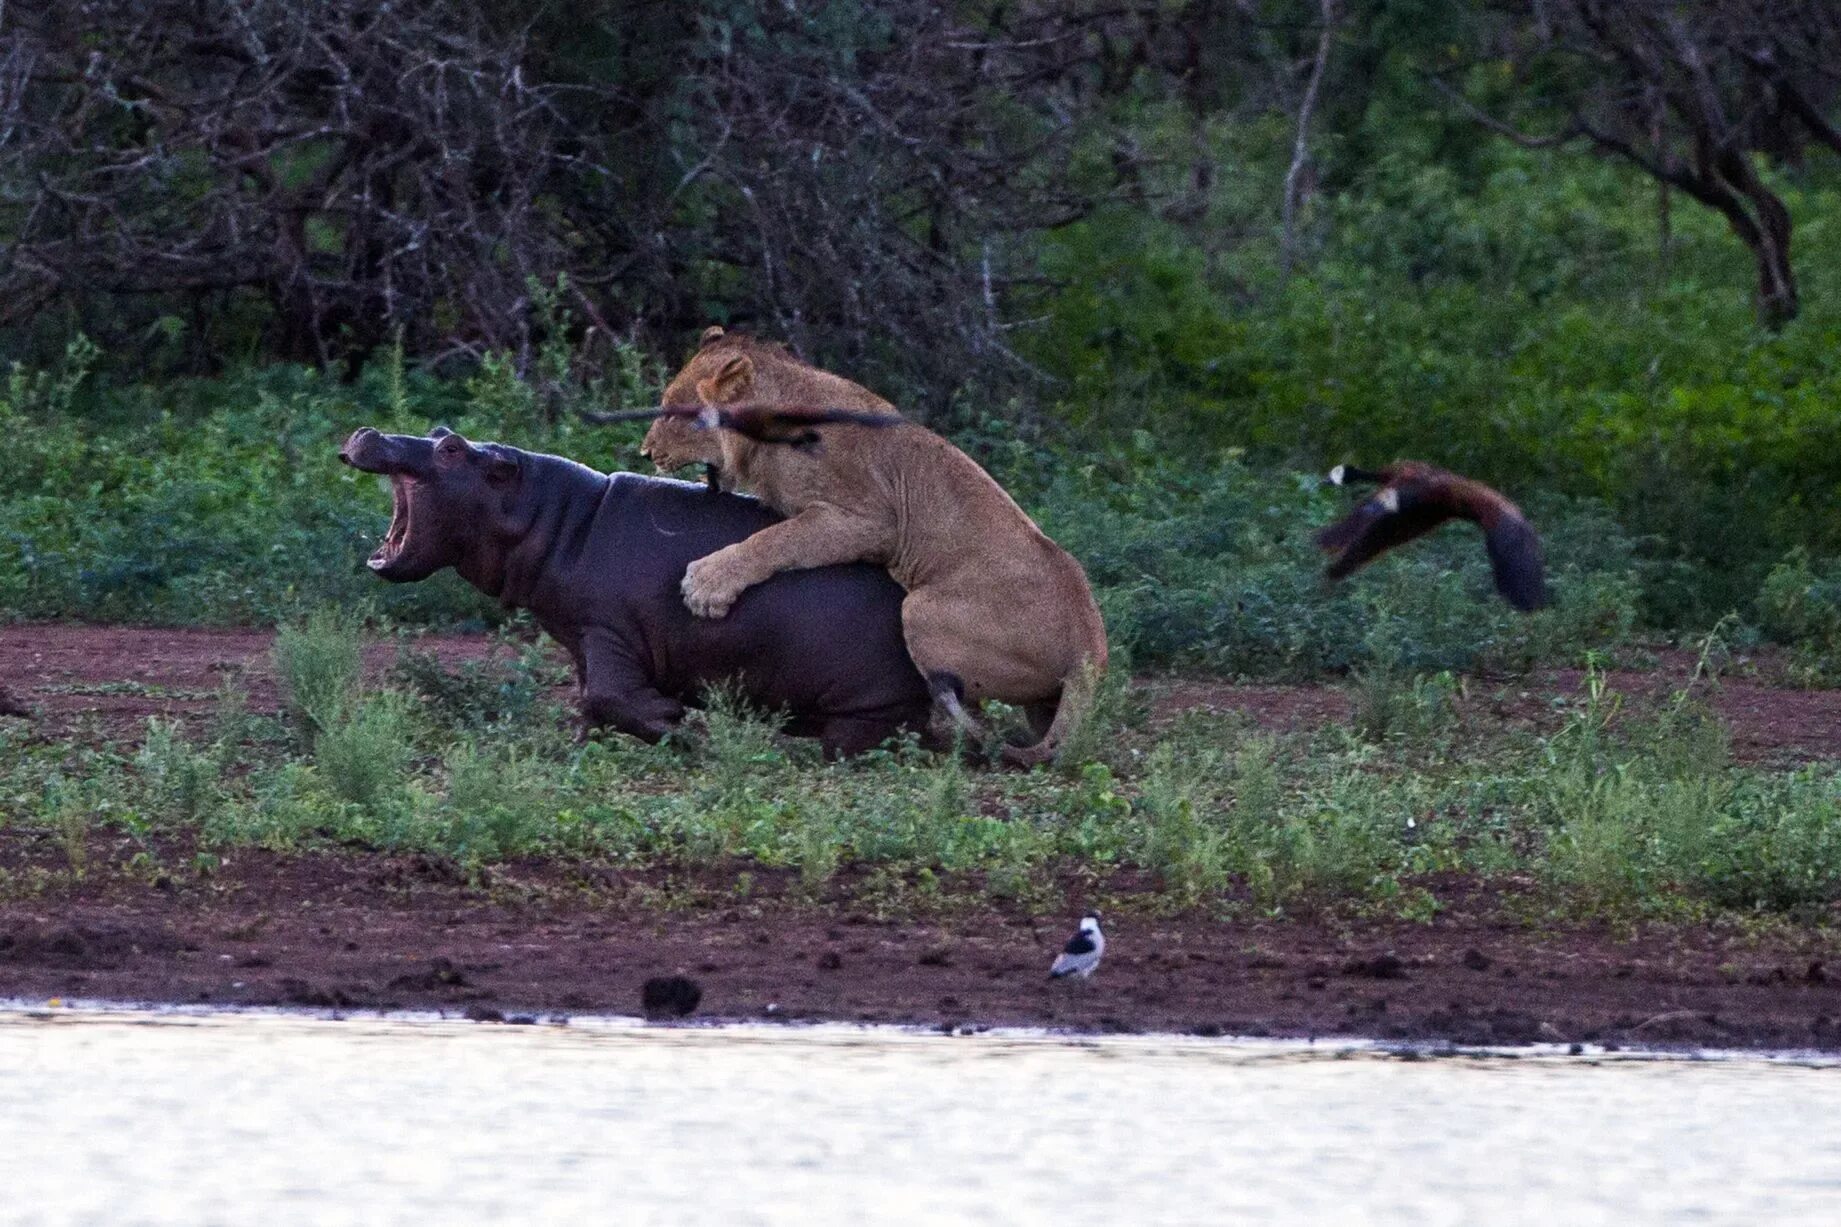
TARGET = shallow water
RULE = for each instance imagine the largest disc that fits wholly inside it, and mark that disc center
(137, 1118)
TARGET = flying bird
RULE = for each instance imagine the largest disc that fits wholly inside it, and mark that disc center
(1415, 498)
(763, 422)
(1081, 956)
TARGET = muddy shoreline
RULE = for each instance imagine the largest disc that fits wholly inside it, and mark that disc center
(347, 929)
(364, 930)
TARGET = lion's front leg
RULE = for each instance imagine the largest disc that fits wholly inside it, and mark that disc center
(712, 582)
(816, 537)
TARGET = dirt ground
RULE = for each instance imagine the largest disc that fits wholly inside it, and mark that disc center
(364, 930)
(109, 679)
(360, 929)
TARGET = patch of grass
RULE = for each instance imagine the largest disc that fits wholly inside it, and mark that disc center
(363, 753)
(1616, 812)
(319, 661)
(141, 690)
(472, 695)
(178, 783)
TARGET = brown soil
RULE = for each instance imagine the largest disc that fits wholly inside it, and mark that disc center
(365, 930)
(362, 929)
(111, 678)
(1768, 723)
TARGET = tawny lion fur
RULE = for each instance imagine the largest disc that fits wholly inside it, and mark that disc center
(995, 610)
(673, 443)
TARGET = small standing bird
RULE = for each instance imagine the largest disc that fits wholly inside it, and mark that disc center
(1415, 498)
(764, 422)
(1081, 956)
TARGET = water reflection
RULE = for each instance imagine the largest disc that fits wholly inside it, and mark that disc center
(166, 1119)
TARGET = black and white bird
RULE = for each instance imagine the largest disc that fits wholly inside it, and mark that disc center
(1081, 956)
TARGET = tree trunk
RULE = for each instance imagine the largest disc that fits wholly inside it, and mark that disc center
(1300, 152)
(1777, 297)
(1769, 238)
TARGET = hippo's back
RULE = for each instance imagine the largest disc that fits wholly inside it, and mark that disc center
(820, 643)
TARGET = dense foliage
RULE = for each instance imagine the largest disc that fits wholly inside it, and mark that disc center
(224, 501)
(1124, 254)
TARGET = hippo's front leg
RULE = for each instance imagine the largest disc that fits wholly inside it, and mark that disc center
(817, 537)
(617, 691)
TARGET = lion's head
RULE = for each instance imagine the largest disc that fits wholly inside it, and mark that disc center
(729, 368)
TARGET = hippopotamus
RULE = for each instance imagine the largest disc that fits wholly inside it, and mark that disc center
(597, 558)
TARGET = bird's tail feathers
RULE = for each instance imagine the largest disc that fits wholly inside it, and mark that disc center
(1515, 557)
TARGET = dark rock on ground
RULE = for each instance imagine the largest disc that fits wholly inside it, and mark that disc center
(670, 996)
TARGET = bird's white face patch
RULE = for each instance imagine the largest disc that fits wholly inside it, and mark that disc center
(1389, 501)
(1338, 473)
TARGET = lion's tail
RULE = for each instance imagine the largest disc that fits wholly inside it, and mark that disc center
(1078, 691)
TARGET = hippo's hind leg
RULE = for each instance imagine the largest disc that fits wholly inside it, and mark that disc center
(616, 692)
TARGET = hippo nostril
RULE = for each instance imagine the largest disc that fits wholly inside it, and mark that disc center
(360, 441)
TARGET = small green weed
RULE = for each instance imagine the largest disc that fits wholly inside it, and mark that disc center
(319, 662)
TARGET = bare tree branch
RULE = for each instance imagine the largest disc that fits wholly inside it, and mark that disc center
(1300, 150)
(1693, 95)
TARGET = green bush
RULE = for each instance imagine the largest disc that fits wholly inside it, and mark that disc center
(1800, 604)
(319, 662)
(1610, 814)
(362, 755)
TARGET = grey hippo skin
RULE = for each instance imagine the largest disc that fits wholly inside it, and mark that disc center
(598, 559)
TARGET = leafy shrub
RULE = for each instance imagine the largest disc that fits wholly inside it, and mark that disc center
(472, 695)
(319, 662)
(178, 782)
(362, 754)
(1800, 604)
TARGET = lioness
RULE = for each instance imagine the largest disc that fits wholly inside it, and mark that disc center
(995, 610)
(673, 443)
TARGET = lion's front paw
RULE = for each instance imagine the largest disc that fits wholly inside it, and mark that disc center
(709, 587)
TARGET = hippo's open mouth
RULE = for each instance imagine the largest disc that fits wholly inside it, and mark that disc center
(397, 536)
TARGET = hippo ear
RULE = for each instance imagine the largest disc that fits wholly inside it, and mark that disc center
(712, 333)
(733, 380)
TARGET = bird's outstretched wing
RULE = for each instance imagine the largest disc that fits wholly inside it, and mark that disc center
(1392, 517)
(1415, 498)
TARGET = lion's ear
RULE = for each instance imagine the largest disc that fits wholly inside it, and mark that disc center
(732, 381)
(712, 333)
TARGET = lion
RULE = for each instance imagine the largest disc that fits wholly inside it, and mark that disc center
(676, 442)
(994, 609)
